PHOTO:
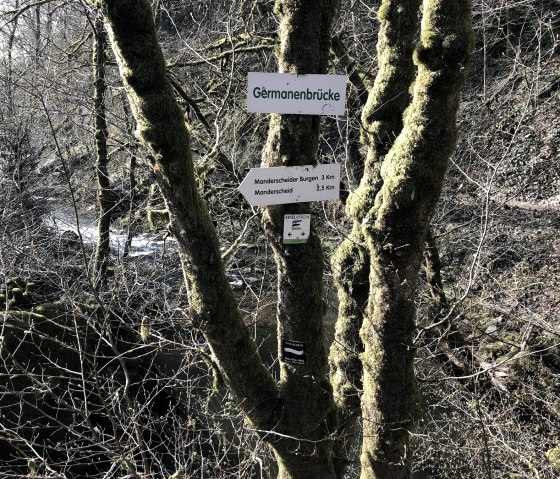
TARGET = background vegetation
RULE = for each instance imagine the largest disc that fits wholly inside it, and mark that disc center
(113, 380)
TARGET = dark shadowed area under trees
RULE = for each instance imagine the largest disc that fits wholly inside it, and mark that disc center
(145, 303)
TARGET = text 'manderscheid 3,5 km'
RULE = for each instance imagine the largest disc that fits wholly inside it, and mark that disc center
(291, 184)
(297, 94)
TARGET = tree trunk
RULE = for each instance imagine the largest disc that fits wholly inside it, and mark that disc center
(132, 203)
(382, 121)
(411, 179)
(296, 417)
(308, 409)
(10, 64)
(445, 342)
(162, 128)
(103, 186)
(131, 226)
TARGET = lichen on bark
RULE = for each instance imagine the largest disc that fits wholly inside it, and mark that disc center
(308, 413)
(381, 122)
(395, 228)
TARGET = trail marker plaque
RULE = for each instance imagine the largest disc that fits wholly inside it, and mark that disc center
(297, 94)
(293, 352)
(296, 228)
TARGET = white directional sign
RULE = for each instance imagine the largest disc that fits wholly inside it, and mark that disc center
(299, 94)
(291, 184)
(296, 228)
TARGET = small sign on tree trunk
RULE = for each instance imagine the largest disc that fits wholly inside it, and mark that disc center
(296, 228)
(298, 94)
(293, 352)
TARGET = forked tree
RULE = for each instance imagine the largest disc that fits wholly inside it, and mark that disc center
(409, 128)
(410, 132)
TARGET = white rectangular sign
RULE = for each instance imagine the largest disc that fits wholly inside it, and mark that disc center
(298, 94)
(291, 184)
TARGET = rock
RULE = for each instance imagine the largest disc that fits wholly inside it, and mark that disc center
(493, 327)
(70, 239)
(39, 350)
(15, 282)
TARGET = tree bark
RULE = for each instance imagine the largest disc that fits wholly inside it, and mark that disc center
(102, 175)
(161, 126)
(308, 410)
(382, 122)
(395, 228)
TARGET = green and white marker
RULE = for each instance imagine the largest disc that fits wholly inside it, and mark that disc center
(296, 228)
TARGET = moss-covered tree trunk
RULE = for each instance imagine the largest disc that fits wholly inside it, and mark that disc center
(103, 186)
(395, 226)
(161, 126)
(308, 409)
(382, 122)
(296, 417)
